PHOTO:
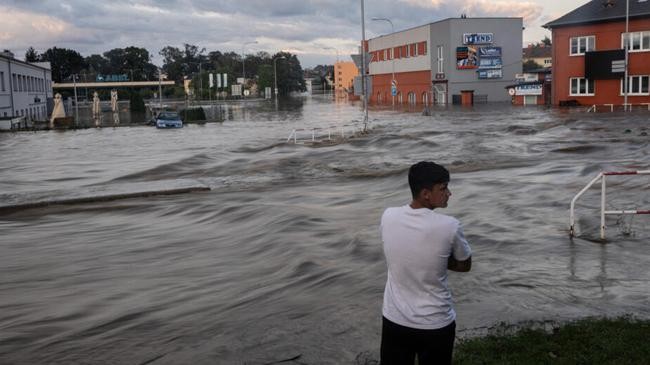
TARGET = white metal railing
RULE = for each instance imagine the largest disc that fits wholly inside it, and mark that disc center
(626, 107)
(312, 134)
(602, 176)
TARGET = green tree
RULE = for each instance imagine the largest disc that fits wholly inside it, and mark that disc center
(265, 76)
(31, 55)
(290, 75)
(64, 62)
(546, 41)
(531, 65)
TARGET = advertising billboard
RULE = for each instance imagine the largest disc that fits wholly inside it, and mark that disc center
(466, 58)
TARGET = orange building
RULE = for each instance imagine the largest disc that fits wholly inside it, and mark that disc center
(344, 74)
(589, 54)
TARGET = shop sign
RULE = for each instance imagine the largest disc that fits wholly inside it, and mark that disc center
(489, 52)
(528, 89)
(478, 38)
(490, 63)
(490, 74)
(526, 77)
(112, 78)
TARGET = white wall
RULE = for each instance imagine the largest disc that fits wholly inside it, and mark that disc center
(414, 35)
(29, 90)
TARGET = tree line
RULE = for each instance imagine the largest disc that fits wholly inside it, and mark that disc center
(178, 63)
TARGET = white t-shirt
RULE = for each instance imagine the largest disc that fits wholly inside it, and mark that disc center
(417, 245)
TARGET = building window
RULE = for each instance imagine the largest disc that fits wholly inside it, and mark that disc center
(580, 45)
(424, 48)
(408, 51)
(414, 49)
(411, 98)
(13, 76)
(2, 81)
(441, 59)
(581, 87)
(636, 41)
(636, 85)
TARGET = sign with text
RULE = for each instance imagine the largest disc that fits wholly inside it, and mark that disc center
(490, 63)
(478, 38)
(112, 78)
(489, 52)
(535, 89)
(490, 74)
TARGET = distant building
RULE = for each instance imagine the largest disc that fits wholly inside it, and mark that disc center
(540, 54)
(442, 61)
(344, 74)
(531, 88)
(25, 88)
(589, 54)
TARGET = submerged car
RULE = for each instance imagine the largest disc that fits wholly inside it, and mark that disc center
(168, 119)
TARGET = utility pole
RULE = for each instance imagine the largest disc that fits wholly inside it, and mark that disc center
(363, 69)
(275, 75)
(76, 104)
(628, 39)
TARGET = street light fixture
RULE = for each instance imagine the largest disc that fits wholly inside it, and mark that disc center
(392, 50)
(334, 69)
(243, 59)
(275, 74)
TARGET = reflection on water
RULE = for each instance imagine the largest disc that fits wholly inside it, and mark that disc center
(281, 259)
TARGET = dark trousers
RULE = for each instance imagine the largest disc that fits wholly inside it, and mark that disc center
(400, 344)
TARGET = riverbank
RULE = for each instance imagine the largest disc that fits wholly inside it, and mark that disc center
(621, 340)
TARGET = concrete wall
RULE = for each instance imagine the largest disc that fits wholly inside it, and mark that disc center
(409, 36)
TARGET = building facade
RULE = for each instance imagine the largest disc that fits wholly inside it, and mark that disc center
(541, 55)
(437, 62)
(589, 54)
(344, 74)
(25, 88)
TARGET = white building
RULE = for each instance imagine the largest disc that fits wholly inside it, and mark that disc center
(25, 88)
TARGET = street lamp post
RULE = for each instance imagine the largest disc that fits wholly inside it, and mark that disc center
(243, 60)
(628, 39)
(392, 50)
(76, 103)
(160, 88)
(334, 90)
(275, 74)
(363, 67)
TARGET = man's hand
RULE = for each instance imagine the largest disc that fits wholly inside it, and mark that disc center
(460, 266)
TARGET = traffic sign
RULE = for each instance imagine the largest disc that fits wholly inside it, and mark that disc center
(393, 90)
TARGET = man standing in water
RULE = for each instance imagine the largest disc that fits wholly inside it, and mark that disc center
(420, 246)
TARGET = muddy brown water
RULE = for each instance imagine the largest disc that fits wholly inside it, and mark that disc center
(281, 258)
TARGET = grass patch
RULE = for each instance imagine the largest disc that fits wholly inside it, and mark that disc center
(589, 341)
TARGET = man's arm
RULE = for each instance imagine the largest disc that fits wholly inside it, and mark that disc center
(460, 266)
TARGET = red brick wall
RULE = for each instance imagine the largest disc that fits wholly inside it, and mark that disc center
(608, 37)
(418, 82)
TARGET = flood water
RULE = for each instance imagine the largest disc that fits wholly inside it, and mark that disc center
(282, 259)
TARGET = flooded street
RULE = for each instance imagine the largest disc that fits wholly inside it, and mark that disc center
(282, 257)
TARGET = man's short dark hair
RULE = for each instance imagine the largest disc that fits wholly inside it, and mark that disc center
(425, 174)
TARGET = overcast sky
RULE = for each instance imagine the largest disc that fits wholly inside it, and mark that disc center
(315, 30)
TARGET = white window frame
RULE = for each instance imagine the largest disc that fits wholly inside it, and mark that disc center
(636, 35)
(579, 40)
(630, 83)
(579, 81)
(441, 59)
